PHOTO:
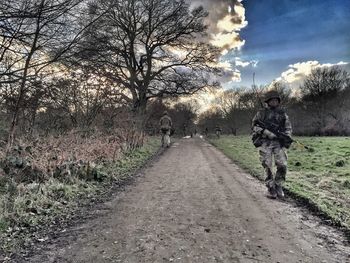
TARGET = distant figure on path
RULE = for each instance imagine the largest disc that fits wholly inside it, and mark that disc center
(184, 130)
(217, 131)
(165, 124)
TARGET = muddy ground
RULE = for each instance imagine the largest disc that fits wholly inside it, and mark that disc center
(192, 204)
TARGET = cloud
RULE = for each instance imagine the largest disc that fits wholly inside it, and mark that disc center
(296, 73)
(205, 99)
(240, 63)
(341, 63)
(226, 19)
(228, 73)
(230, 69)
(227, 41)
(236, 76)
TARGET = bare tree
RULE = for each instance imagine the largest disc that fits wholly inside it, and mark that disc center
(251, 99)
(228, 103)
(36, 35)
(12, 22)
(211, 118)
(325, 82)
(228, 100)
(150, 48)
(81, 96)
(184, 114)
(321, 92)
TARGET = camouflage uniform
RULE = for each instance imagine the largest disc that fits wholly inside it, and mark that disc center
(165, 124)
(272, 148)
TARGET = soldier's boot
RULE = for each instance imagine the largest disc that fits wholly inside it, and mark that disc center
(279, 191)
(271, 190)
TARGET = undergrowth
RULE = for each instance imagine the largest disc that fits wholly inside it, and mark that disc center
(47, 178)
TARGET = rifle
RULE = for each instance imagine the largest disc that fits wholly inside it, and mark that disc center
(283, 138)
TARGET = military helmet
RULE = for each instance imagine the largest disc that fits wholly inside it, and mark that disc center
(272, 95)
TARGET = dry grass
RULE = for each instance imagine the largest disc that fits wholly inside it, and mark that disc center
(40, 178)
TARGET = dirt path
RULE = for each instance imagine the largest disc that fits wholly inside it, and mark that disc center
(194, 205)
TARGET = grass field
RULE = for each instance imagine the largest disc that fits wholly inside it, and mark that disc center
(319, 175)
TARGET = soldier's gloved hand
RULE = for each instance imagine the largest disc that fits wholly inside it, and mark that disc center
(269, 134)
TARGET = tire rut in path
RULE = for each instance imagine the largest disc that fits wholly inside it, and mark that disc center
(194, 205)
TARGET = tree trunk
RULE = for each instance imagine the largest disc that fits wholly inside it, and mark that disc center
(21, 94)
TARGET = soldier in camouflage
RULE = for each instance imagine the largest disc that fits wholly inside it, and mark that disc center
(165, 124)
(271, 147)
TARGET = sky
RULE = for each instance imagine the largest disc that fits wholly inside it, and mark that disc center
(279, 40)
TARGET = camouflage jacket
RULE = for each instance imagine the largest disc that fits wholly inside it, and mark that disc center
(165, 122)
(277, 117)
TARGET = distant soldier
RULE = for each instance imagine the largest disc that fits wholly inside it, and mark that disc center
(184, 129)
(217, 131)
(165, 124)
(206, 131)
(272, 132)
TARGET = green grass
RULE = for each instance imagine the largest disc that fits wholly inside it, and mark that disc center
(320, 175)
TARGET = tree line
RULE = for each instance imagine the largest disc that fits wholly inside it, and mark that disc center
(320, 106)
(79, 63)
(67, 64)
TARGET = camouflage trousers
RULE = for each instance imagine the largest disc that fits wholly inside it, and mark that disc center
(165, 137)
(272, 151)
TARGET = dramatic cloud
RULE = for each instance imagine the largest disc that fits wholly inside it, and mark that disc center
(226, 18)
(230, 69)
(297, 72)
